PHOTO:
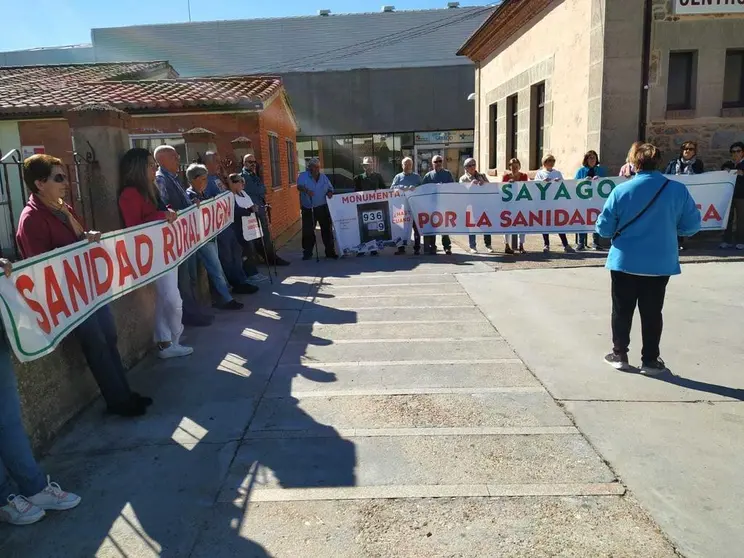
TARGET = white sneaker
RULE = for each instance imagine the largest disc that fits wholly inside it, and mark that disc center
(473, 251)
(489, 250)
(54, 498)
(19, 511)
(174, 350)
(546, 248)
(740, 246)
(258, 278)
(725, 246)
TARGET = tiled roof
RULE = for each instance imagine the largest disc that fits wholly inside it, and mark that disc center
(52, 89)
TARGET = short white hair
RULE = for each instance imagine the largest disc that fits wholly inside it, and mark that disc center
(403, 162)
(195, 170)
(162, 149)
(468, 161)
(313, 161)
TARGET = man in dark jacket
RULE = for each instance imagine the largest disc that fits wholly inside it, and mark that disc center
(369, 179)
(439, 175)
(256, 189)
(174, 196)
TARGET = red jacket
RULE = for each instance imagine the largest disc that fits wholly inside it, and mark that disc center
(136, 209)
(521, 177)
(40, 230)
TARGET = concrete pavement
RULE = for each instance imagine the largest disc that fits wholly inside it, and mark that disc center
(364, 407)
(675, 441)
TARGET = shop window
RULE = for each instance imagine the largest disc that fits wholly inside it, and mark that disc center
(493, 132)
(681, 81)
(343, 169)
(363, 146)
(291, 166)
(537, 121)
(512, 127)
(733, 84)
(387, 158)
(276, 173)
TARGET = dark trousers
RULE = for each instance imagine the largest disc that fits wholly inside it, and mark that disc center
(416, 238)
(546, 239)
(97, 337)
(320, 215)
(736, 216)
(263, 246)
(648, 293)
(430, 243)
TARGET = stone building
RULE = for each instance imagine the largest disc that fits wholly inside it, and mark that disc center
(566, 76)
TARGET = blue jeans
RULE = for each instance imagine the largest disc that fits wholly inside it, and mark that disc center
(486, 240)
(97, 338)
(17, 461)
(209, 258)
(231, 258)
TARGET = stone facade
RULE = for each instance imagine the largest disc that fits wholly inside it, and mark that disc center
(589, 55)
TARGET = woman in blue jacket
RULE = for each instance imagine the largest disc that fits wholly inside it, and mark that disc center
(592, 170)
(643, 217)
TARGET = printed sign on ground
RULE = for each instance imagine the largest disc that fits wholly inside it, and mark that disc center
(47, 296)
(369, 221)
(565, 206)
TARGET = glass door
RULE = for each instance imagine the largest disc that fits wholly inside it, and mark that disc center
(424, 154)
(454, 159)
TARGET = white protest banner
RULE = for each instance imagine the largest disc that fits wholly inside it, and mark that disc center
(564, 206)
(251, 230)
(48, 295)
(370, 220)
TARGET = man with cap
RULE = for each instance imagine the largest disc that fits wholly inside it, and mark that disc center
(368, 180)
(472, 176)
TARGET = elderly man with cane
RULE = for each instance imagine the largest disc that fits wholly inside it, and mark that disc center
(315, 190)
(256, 189)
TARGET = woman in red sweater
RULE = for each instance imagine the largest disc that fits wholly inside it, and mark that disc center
(47, 223)
(139, 202)
(515, 175)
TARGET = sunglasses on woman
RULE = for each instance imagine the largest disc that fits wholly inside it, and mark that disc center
(58, 178)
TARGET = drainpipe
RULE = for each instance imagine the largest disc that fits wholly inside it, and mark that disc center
(645, 68)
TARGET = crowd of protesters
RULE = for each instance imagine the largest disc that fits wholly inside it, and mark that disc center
(152, 190)
(686, 163)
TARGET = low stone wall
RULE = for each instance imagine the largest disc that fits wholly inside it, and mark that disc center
(713, 139)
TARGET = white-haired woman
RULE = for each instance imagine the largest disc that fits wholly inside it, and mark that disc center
(408, 180)
(472, 176)
(208, 254)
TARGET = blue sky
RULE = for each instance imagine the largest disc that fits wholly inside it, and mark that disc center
(69, 22)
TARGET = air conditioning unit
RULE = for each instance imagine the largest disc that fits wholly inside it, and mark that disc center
(324, 12)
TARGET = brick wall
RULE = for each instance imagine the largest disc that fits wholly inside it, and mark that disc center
(283, 197)
(713, 139)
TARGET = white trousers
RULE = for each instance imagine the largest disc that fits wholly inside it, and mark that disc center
(507, 238)
(168, 308)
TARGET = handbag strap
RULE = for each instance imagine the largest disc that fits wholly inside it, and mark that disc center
(640, 214)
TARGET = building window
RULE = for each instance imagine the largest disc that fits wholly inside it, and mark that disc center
(493, 131)
(276, 173)
(733, 84)
(151, 141)
(512, 127)
(537, 121)
(681, 82)
(291, 167)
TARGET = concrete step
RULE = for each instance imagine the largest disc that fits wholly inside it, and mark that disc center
(322, 333)
(413, 290)
(403, 378)
(309, 462)
(444, 410)
(312, 313)
(527, 527)
(394, 300)
(369, 353)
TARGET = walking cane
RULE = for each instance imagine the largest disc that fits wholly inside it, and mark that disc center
(315, 237)
(263, 243)
(267, 211)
